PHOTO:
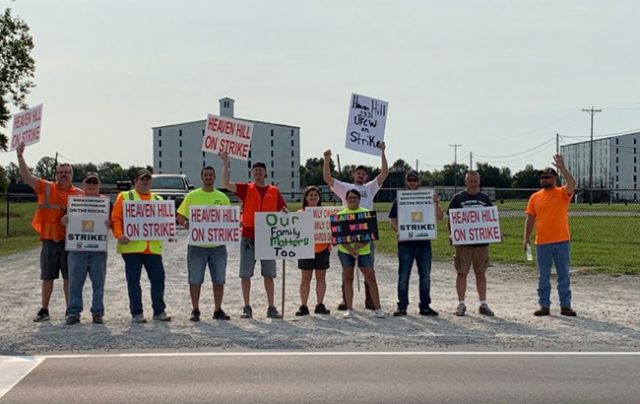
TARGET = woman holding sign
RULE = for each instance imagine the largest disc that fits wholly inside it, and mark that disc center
(349, 253)
(320, 263)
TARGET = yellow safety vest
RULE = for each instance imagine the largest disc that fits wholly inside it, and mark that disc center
(138, 246)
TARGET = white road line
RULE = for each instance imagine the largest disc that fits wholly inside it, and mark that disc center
(15, 368)
(338, 353)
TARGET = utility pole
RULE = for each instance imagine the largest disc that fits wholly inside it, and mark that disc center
(455, 165)
(417, 169)
(470, 160)
(55, 166)
(591, 112)
(557, 143)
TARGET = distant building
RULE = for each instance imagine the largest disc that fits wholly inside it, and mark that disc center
(615, 164)
(177, 148)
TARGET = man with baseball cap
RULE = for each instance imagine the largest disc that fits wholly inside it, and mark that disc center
(83, 263)
(547, 211)
(139, 253)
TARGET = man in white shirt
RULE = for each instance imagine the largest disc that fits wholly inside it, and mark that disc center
(367, 190)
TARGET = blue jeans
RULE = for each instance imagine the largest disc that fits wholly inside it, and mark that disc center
(406, 255)
(155, 271)
(546, 255)
(81, 264)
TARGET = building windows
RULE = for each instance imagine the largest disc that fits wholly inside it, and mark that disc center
(160, 133)
(291, 132)
(159, 164)
(180, 142)
(249, 153)
(634, 140)
(271, 142)
(293, 185)
(617, 160)
(616, 149)
(225, 104)
(180, 153)
(617, 179)
(293, 164)
(293, 154)
(204, 164)
(271, 153)
(159, 143)
(271, 132)
(635, 178)
(248, 163)
(617, 169)
(273, 174)
(203, 156)
(617, 141)
(159, 153)
(180, 165)
(271, 163)
(293, 142)
(293, 174)
(180, 132)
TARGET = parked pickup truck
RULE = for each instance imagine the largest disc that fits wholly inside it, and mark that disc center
(171, 186)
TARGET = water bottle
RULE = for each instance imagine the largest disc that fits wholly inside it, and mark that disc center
(529, 253)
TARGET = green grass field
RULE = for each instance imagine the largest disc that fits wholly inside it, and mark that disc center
(602, 244)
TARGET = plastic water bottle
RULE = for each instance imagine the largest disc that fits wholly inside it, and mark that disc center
(529, 253)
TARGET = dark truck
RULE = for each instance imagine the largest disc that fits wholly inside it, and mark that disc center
(171, 186)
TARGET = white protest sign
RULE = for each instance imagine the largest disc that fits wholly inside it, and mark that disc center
(281, 235)
(321, 222)
(229, 135)
(476, 225)
(26, 127)
(214, 225)
(149, 220)
(87, 226)
(416, 215)
(367, 120)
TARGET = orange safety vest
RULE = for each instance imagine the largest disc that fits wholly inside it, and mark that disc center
(254, 203)
(49, 212)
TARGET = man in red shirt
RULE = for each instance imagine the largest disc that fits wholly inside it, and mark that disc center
(52, 206)
(256, 196)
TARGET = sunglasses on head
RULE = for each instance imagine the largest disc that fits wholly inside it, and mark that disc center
(92, 181)
(412, 180)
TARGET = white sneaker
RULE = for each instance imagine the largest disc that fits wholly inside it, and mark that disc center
(138, 318)
(348, 314)
(379, 313)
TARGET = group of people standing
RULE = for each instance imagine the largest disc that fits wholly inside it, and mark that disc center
(546, 212)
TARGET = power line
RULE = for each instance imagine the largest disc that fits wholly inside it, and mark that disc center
(518, 153)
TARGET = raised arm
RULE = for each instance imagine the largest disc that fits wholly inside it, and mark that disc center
(326, 168)
(384, 167)
(231, 186)
(558, 161)
(25, 173)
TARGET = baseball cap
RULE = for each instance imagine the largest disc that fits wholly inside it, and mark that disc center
(259, 164)
(143, 173)
(412, 175)
(548, 171)
(92, 174)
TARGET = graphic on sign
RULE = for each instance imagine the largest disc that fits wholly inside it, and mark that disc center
(214, 225)
(149, 220)
(354, 227)
(281, 235)
(477, 225)
(229, 135)
(416, 215)
(367, 120)
(26, 127)
(87, 226)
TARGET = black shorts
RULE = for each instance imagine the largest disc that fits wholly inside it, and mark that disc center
(321, 261)
(53, 260)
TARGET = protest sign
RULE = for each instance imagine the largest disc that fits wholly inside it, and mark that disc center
(321, 222)
(474, 225)
(281, 235)
(416, 215)
(367, 120)
(149, 220)
(87, 226)
(26, 127)
(354, 227)
(228, 135)
(214, 225)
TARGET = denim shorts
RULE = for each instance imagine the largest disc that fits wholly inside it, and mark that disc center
(199, 257)
(53, 260)
(348, 260)
(248, 261)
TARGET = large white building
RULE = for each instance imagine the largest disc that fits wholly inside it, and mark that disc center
(177, 148)
(615, 164)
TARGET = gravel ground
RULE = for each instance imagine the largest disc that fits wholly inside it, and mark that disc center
(608, 314)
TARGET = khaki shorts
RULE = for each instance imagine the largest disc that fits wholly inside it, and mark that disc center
(466, 255)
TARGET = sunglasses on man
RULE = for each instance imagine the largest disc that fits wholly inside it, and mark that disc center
(92, 181)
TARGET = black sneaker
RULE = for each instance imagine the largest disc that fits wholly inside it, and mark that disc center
(97, 319)
(567, 311)
(428, 311)
(542, 311)
(247, 312)
(302, 311)
(342, 306)
(72, 320)
(272, 312)
(43, 315)
(400, 313)
(220, 315)
(195, 315)
(320, 309)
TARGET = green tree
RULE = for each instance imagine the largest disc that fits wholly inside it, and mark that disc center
(527, 178)
(4, 180)
(453, 174)
(45, 168)
(111, 172)
(400, 165)
(16, 68)
(13, 171)
(491, 176)
(311, 172)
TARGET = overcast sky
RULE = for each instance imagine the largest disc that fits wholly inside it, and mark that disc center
(501, 78)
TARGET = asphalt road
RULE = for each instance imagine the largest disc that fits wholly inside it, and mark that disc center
(332, 377)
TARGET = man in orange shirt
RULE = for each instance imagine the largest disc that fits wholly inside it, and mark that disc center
(548, 211)
(139, 253)
(52, 205)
